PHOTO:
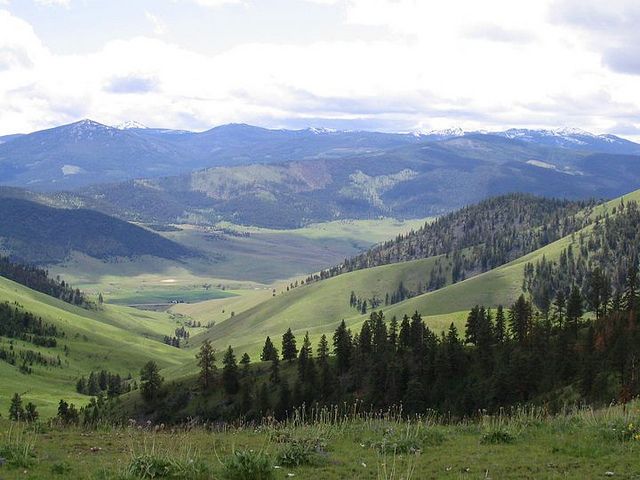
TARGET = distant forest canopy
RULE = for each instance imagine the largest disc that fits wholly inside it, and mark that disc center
(38, 279)
(477, 238)
(36, 233)
(597, 262)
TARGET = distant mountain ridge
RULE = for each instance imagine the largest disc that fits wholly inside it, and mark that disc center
(87, 152)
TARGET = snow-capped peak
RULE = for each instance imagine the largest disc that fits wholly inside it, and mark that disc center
(572, 131)
(320, 130)
(129, 124)
(445, 132)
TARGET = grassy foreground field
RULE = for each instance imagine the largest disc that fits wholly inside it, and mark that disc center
(524, 445)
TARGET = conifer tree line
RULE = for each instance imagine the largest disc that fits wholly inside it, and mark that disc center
(596, 264)
(477, 238)
(104, 383)
(20, 324)
(504, 356)
(38, 279)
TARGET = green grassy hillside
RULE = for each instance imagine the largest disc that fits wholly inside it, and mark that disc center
(118, 339)
(319, 307)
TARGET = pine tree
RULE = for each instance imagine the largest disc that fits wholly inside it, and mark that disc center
(274, 375)
(574, 309)
(92, 385)
(342, 347)
(31, 413)
(16, 411)
(631, 289)
(323, 350)
(289, 349)
(269, 352)
(501, 330)
(150, 381)
(245, 361)
(206, 361)
(230, 372)
(81, 386)
(520, 319)
(304, 358)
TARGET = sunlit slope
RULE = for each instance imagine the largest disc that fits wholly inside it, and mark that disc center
(117, 339)
(499, 286)
(319, 307)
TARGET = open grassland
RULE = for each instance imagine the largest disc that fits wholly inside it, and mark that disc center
(318, 307)
(118, 339)
(234, 256)
(525, 445)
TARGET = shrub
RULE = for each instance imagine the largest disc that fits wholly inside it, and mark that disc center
(164, 466)
(60, 468)
(294, 454)
(495, 437)
(248, 465)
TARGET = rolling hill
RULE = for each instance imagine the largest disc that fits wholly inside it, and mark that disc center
(319, 307)
(118, 339)
(37, 233)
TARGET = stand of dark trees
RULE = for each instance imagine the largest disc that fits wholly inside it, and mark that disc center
(19, 324)
(477, 238)
(38, 279)
(504, 357)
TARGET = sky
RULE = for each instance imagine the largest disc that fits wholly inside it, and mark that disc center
(388, 65)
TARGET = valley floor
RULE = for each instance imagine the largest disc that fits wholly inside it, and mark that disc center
(587, 444)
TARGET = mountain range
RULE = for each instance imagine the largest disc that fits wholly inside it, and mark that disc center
(87, 152)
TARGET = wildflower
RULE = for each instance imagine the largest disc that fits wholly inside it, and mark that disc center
(291, 474)
(364, 465)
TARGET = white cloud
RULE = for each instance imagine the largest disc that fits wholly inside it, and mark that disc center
(216, 3)
(59, 3)
(500, 64)
(159, 26)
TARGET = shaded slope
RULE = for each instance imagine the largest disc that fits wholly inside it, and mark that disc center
(40, 234)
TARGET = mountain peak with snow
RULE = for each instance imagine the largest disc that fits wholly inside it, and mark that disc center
(130, 124)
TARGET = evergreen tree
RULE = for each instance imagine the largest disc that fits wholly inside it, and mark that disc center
(289, 349)
(305, 358)
(269, 352)
(93, 388)
(274, 375)
(245, 361)
(31, 413)
(342, 347)
(520, 319)
(150, 381)
(16, 411)
(574, 309)
(501, 329)
(230, 379)
(206, 361)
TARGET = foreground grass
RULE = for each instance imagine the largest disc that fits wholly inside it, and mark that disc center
(584, 444)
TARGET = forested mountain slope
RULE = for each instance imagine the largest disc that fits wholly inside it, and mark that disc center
(490, 233)
(320, 305)
(412, 181)
(38, 233)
